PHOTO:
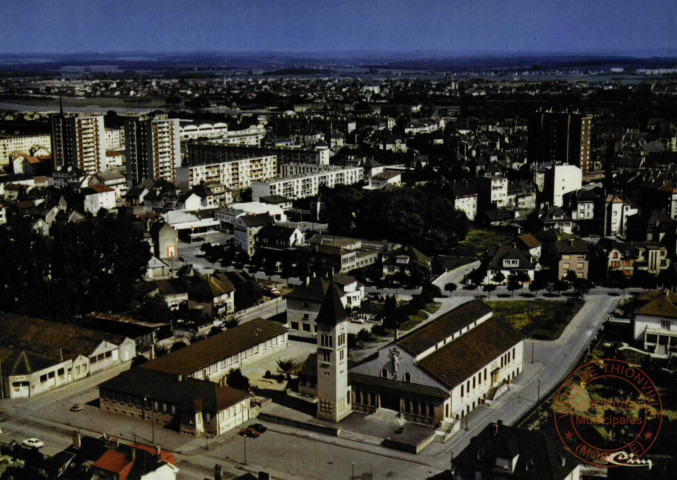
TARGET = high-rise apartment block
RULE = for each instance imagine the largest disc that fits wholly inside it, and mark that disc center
(78, 141)
(560, 138)
(153, 148)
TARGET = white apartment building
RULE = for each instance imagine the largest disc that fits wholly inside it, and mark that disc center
(206, 153)
(153, 148)
(618, 211)
(205, 130)
(78, 141)
(21, 144)
(115, 138)
(234, 174)
(560, 180)
(307, 185)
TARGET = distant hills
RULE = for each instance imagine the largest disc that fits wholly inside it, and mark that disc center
(325, 62)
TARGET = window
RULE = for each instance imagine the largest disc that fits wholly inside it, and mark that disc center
(384, 373)
(665, 324)
(462, 390)
(341, 354)
(407, 377)
(326, 356)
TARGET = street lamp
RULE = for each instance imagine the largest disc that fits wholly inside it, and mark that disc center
(352, 476)
(539, 390)
(245, 449)
(451, 467)
(152, 417)
(532, 350)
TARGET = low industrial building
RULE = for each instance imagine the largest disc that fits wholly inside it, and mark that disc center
(213, 357)
(39, 355)
(194, 407)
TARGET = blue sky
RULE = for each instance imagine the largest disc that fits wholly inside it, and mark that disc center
(500, 26)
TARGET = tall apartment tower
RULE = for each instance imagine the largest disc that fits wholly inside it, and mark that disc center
(560, 138)
(78, 141)
(333, 391)
(153, 148)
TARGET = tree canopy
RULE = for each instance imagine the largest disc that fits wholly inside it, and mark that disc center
(415, 216)
(81, 267)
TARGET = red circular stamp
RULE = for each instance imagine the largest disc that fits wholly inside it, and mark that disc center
(608, 413)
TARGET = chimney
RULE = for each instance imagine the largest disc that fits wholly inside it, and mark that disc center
(397, 334)
(495, 429)
(158, 451)
(77, 439)
(217, 472)
(179, 378)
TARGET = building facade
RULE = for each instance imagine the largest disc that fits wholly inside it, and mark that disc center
(153, 148)
(78, 141)
(560, 138)
(235, 174)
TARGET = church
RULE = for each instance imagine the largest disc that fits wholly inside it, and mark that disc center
(435, 375)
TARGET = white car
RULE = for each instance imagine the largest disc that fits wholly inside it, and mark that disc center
(33, 443)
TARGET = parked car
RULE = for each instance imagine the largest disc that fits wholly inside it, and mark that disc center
(76, 408)
(357, 320)
(258, 427)
(249, 432)
(33, 443)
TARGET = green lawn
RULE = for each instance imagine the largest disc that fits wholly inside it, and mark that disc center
(477, 241)
(542, 319)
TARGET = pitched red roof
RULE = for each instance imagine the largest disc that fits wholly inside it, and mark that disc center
(115, 462)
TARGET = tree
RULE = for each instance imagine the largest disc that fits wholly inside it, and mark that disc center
(513, 284)
(498, 277)
(153, 309)
(232, 322)
(560, 285)
(236, 380)
(489, 287)
(537, 285)
(451, 288)
(287, 366)
(571, 276)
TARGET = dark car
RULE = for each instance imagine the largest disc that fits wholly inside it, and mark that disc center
(258, 427)
(249, 432)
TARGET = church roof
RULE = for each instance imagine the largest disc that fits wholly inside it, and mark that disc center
(331, 311)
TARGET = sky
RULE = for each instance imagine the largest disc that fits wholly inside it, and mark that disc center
(449, 26)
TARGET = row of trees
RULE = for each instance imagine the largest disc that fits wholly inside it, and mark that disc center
(80, 267)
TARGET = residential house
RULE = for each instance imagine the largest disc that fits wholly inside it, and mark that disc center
(557, 219)
(654, 325)
(303, 303)
(403, 261)
(573, 256)
(106, 458)
(246, 228)
(531, 245)
(652, 257)
(214, 295)
(505, 452)
(617, 212)
(157, 269)
(508, 261)
(465, 199)
(98, 197)
(173, 292)
(278, 237)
